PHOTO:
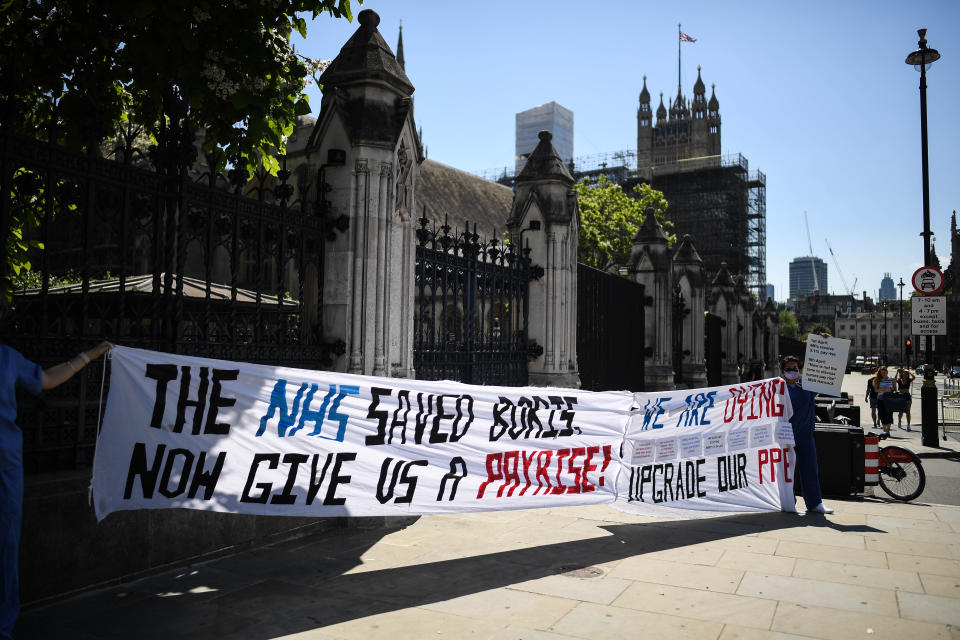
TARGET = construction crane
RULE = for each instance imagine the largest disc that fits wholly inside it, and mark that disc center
(813, 267)
(836, 263)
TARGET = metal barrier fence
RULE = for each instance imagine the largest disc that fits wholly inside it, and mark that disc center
(950, 415)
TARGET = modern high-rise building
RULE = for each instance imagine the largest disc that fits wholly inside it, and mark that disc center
(888, 290)
(547, 117)
(802, 279)
(769, 292)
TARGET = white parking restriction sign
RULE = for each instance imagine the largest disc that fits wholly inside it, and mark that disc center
(929, 315)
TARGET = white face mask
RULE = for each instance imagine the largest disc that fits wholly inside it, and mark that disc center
(791, 375)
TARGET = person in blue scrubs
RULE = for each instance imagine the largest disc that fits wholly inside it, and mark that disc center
(18, 372)
(802, 421)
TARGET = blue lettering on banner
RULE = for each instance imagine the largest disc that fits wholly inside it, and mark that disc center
(652, 413)
(329, 410)
(695, 413)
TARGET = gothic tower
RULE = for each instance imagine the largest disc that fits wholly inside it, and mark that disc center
(699, 125)
(689, 129)
(713, 123)
(645, 128)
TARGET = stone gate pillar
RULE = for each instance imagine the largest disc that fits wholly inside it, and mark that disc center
(650, 265)
(545, 218)
(688, 281)
(722, 302)
(744, 322)
(366, 139)
(771, 338)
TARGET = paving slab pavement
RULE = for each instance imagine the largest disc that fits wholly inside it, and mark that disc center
(874, 569)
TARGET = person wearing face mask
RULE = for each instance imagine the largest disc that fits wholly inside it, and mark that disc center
(802, 421)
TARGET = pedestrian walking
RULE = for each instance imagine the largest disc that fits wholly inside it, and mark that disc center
(883, 385)
(904, 384)
(871, 397)
(16, 372)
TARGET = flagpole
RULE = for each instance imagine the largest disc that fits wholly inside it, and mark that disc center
(679, 83)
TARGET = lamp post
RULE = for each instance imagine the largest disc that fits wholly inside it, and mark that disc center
(901, 284)
(920, 60)
(886, 332)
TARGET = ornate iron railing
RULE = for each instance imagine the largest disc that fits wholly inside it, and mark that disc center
(166, 257)
(471, 308)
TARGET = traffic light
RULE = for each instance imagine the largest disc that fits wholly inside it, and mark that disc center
(908, 346)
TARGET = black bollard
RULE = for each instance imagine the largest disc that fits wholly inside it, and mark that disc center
(928, 407)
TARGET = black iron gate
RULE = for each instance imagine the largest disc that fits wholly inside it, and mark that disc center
(471, 308)
(713, 347)
(610, 325)
(184, 260)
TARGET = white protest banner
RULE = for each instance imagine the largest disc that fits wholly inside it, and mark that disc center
(699, 452)
(190, 432)
(206, 434)
(824, 364)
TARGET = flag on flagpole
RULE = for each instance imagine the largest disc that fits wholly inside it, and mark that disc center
(685, 38)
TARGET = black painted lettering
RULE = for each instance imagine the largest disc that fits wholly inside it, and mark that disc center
(458, 471)
(272, 460)
(336, 479)
(168, 470)
(206, 479)
(379, 415)
(147, 472)
(217, 402)
(315, 482)
(185, 401)
(286, 496)
(162, 373)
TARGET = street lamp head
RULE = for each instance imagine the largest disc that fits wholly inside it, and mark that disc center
(923, 57)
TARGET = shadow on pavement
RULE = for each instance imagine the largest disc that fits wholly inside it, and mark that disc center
(304, 584)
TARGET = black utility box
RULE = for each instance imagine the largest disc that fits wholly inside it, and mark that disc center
(840, 457)
(830, 410)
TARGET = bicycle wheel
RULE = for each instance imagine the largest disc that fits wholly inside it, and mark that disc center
(901, 473)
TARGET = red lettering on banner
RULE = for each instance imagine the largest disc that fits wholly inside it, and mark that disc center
(560, 488)
(527, 460)
(492, 476)
(575, 470)
(771, 458)
(543, 471)
(510, 473)
(587, 468)
(755, 401)
(553, 474)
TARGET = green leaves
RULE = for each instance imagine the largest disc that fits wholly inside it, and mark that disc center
(788, 325)
(609, 220)
(73, 71)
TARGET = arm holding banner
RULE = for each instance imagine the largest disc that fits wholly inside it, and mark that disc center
(58, 374)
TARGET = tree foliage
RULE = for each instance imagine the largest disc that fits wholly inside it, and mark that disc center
(75, 72)
(609, 220)
(71, 71)
(788, 325)
(817, 328)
